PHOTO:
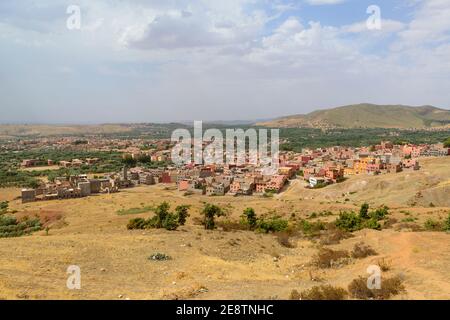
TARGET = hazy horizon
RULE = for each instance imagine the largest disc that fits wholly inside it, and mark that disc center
(165, 61)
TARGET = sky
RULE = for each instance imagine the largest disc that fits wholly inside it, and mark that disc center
(177, 60)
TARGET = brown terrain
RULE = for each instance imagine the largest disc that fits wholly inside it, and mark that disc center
(219, 264)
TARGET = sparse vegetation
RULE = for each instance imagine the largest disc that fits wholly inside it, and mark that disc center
(311, 229)
(274, 224)
(384, 264)
(123, 212)
(361, 250)
(327, 258)
(358, 289)
(350, 221)
(333, 235)
(162, 218)
(323, 292)
(11, 227)
(433, 225)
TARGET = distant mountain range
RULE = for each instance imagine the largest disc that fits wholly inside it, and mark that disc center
(366, 116)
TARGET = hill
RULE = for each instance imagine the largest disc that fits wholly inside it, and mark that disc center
(367, 116)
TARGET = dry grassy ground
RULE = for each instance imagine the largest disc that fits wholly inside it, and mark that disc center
(224, 265)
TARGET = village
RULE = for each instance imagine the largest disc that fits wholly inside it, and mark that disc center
(317, 167)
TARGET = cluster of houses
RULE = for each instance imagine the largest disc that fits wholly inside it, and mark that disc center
(77, 186)
(324, 166)
(318, 167)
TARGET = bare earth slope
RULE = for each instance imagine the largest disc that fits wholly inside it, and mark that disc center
(217, 264)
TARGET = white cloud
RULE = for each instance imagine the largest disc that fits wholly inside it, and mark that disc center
(324, 2)
(174, 60)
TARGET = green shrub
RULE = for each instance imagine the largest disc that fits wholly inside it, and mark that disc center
(10, 227)
(363, 212)
(182, 213)
(163, 218)
(210, 212)
(433, 225)
(311, 228)
(170, 222)
(446, 226)
(4, 207)
(136, 223)
(349, 221)
(379, 213)
(274, 224)
(372, 224)
(249, 217)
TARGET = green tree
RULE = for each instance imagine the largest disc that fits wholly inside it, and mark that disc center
(447, 143)
(129, 161)
(182, 212)
(161, 213)
(210, 211)
(364, 211)
(250, 216)
(4, 205)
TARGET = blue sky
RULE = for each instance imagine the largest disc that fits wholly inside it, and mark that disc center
(173, 60)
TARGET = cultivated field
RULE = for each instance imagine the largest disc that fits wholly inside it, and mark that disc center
(219, 264)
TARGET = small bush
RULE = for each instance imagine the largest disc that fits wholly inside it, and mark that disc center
(372, 224)
(295, 295)
(275, 224)
(384, 265)
(363, 212)
(379, 213)
(159, 257)
(433, 225)
(136, 223)
(389, 287)
(360, 251)
(349, 221)
(333, 235)
(327, 258)
(310, 229)
(412, 226)
(446, 226)
(323, 292)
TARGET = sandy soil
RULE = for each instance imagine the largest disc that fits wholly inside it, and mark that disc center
(224, 265)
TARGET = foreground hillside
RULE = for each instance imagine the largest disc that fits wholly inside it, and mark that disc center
(367, 116)
(227, 264)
